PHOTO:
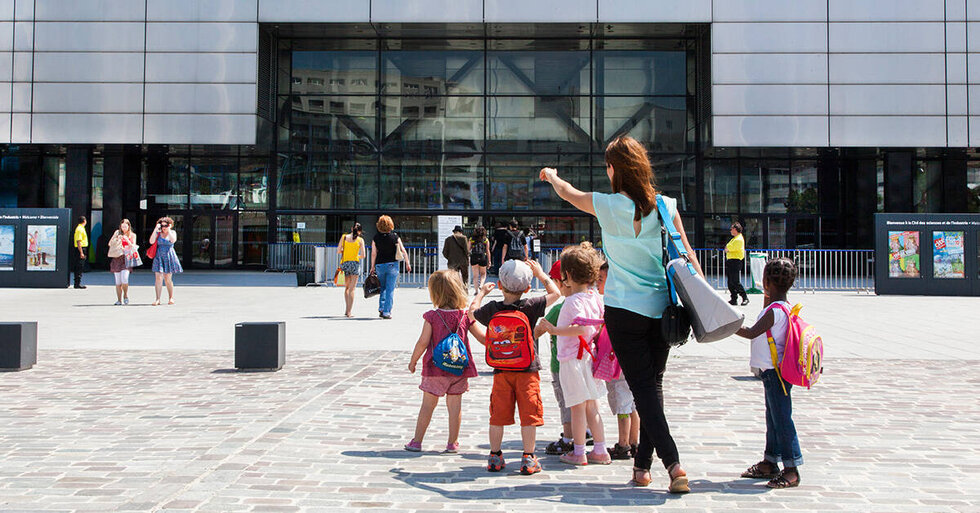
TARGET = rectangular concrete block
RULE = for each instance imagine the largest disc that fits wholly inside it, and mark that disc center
(18, 345)
(260, 345)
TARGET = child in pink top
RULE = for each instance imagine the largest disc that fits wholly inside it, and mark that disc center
(448, 295)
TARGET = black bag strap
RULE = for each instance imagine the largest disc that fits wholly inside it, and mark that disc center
(663, 260)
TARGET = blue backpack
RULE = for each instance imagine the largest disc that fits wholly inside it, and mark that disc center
(450, 353)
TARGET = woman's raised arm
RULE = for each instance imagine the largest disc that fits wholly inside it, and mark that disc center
(578, 199)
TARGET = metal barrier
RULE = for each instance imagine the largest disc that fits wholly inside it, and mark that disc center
(820, 269)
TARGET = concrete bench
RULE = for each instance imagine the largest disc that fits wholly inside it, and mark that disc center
(18, 345)
(260, 345)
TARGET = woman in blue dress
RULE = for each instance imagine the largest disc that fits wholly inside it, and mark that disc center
(165, 263)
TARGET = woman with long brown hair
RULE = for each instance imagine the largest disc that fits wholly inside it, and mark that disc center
(636, 291)
(120, 265)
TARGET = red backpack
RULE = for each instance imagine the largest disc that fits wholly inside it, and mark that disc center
(510, 341)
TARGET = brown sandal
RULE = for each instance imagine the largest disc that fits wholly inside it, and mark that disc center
(756, 471)
(678, 481)
(640, 482)
(780, 481)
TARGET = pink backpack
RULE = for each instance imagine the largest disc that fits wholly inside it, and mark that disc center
(605, 366)
(803, 356)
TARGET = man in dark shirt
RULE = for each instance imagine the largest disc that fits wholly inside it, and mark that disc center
(500, 239)
(515, 247)
(456, 250)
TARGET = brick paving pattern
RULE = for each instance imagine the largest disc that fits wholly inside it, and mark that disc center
(179, 432)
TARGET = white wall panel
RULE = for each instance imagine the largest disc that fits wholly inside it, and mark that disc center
(89, 10)
(314, 11)
(201, 67)
(972, 10)
(6, 36)
(888, 99)
(974, 130)
(974, 95)
(655, 11)
(888, 37)
(956, 68)
(7, 14)
(200, 98)
(24, 9)
(21, 97)
(914, 131)
(770, 10)
(546, 11)
(6, 90)
(93, 36)
(769, 100)
(956, 102)
(887, 10)
(6, 67)
(201, 10)
(23, 36)
(20, 128)
(955, 10)
(199, 129)
(88, 98)
(973, 36)
(5, 127)
(769, 69)
(23, 67)
(956, 37)
(414, 11)
(894, 68)
(768, 37)
(206, 37)
(88, 67)
(86, 128)
(956, 128)
(769, 131)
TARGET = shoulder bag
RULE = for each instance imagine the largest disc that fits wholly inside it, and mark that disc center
(675, 323)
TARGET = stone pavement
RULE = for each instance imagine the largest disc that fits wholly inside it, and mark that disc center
(161, 431)
(135, 409)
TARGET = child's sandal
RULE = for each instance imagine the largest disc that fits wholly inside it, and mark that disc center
(780, 481)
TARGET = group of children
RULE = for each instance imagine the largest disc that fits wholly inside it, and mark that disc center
(572, 325)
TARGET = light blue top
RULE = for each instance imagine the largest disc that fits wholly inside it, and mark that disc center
(637, 281)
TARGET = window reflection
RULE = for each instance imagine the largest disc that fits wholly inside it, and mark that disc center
(641, 73)
(350, 72)
(803, 195)
(426, 124)
(333, 123)
(676, 176)
(720, 186)
(253, 237)
(253, 186)
(514, 183)
(431, 73)
(538, 73)
(323, 181)
(659, 123)
(525, 123)
(446, 181)
(213, 183)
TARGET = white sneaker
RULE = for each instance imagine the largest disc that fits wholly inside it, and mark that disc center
(126, 301)
(117, 303)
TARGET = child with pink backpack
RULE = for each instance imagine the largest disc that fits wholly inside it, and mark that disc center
(579, 271)
(788, 352)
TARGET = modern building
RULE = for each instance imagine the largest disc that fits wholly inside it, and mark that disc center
(258, 121)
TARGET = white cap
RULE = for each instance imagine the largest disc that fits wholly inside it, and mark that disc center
(515, 276)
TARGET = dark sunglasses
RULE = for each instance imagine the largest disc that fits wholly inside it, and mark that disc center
(164, 225)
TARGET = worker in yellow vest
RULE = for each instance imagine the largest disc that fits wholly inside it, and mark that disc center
(734, 263)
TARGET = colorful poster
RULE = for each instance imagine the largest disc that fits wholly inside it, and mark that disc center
(42, 244)
(7, 247)
(948, 255)
(903, 254)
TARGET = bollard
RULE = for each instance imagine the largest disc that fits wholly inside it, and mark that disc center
(260, 345)
(18, 345)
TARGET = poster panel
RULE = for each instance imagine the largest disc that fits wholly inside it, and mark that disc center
(445, 229)
(42, 247)
(948, 255)
(7, 234)
(903, 254)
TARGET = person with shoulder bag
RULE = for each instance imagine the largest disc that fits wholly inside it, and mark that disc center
(456, 249)
(387, 252)
(122, 248)
(636, 291)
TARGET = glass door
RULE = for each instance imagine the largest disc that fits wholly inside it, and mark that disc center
(212, 241)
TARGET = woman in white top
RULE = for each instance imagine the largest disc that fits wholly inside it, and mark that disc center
(119, 265)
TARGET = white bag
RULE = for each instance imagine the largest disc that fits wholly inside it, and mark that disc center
(712, 318)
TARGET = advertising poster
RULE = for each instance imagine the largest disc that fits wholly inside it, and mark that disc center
(42, 244)
(445, 229)
(948, 255)
(6, 247)
(903, 254)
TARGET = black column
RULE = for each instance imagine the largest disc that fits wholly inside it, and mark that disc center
(865, 202)
(954, 183)
(898, 181)
(29, 178)
(112, 188)
(78, 180)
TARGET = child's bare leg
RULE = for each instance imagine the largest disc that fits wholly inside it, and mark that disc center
(634, 428)
(594, 421)
(429, 403)
(578, 423)
(454, 403)
(624, 424)
(566, 430)
(529, 437)
(496, 437)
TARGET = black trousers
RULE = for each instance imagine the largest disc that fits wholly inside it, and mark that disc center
(642, 353)
(733, 269)
(78, 265)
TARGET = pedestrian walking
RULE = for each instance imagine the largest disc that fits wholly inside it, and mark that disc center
(120, 264)
(165, 262)
(479, 256)
(80, 242)
(636, 291)
(387, 252)
(734, 264)
(351, 250)
(456, 249)
(500, 238)
(515, 248)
